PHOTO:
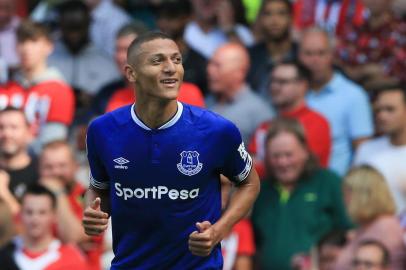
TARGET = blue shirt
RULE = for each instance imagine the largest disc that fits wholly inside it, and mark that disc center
(162, 181)
(347, 108)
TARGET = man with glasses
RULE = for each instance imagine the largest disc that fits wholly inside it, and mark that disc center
(289, 84)
(371, 255)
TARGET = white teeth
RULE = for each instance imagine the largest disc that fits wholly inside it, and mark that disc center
(168, 81)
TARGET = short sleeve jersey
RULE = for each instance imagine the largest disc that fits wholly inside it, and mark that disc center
(162, 181)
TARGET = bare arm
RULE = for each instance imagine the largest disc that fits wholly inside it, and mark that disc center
(97, 212)
(5, 194)
(201, 243)
(70, 229)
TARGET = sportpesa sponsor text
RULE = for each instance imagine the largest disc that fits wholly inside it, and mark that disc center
(155, 193)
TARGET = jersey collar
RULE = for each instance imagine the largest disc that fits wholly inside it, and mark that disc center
(168, 124)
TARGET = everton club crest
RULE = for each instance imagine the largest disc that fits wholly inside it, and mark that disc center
(189, 163)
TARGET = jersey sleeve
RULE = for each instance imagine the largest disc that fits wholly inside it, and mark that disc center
(238, 162)
(98, 174)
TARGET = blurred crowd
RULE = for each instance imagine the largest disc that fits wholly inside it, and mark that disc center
(317, 89)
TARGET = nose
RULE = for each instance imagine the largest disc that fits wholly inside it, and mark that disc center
(169, 67)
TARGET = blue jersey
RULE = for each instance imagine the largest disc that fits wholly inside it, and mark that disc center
(162, 181)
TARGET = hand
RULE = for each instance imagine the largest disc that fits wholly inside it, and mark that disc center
(202, 242)
(53, 184)
(94, 220)
(4, 182)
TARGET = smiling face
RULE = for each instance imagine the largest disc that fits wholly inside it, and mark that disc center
(156, 69)
(286, 158)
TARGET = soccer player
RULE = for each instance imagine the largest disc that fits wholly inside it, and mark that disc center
(155, 168)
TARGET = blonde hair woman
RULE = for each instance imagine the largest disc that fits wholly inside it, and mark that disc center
(372, 209)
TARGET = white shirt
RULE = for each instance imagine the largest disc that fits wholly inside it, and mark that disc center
(390, 161)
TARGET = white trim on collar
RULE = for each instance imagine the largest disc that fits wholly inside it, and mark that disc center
(168, 124)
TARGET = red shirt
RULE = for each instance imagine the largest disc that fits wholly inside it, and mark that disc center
(12, 94)
(50, 101)
(317, 131)
(238, 243)
(56, 257)
(188, 93)
(349, 12)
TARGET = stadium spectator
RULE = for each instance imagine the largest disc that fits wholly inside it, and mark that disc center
(213, 25)
(183, 226)
(275, 23)
(85, 67)
(36, 247)
(387, 153)
(107, 19)
(371, 207)
(299, 203)
(49, 104)
(18, 168)
(329, 248)
(9, 22)
(375, 52)
(172, 18)
(57, 169)
(333, 16)
(342, 102)
(231, 96)
(238, 248)
(125, 36)
(371, 254)
(290, 81)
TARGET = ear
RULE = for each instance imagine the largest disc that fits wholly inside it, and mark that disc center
(130, 73)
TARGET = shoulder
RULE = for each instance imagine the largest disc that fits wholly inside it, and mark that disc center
(206, 119)
(376, 144)
(53, 86)
(326, 177)
(111, 120)
(347, 87)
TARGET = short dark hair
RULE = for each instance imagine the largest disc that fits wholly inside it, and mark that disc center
(395, 87)
(17, 110)
(174, 8)
(287, 3)
(39, 190)
(72, 5)
(134, 28)
(380, 246)
(335, 238)
(303, 73)
(30, 30)
(148, 36)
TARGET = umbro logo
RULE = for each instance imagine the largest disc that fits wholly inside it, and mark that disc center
(121, 161)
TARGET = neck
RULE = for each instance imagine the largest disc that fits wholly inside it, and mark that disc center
(278, 49)
(154, 113)
(37, 244)
(377, 20)
(15, 162)
(398, 138)
(32, 73)
(205, 25)
(291, 107)
(229, 94)
(318, 84)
